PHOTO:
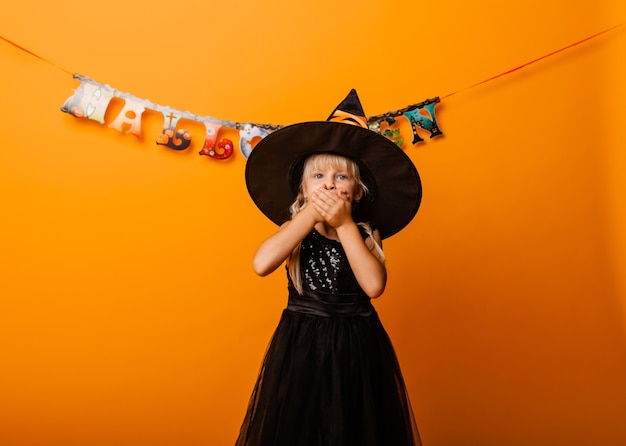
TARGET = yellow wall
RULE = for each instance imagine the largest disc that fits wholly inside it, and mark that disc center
(129, 313)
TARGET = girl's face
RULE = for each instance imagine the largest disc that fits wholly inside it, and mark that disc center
(331, 173)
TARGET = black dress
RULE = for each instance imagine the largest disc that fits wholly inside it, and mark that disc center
(330, 376)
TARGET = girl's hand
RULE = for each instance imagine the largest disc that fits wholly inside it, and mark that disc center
(333, 206)
(311, 212)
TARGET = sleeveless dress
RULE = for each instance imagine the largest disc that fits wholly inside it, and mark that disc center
(330, 376)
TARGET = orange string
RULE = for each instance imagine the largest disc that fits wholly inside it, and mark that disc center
(36, 55)
(441, 97)
(535, 60)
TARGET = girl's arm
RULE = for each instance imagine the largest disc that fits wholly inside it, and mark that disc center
(369, 271)
(277, 248)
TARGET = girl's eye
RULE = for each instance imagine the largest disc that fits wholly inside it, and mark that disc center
(342, 176)
(317, 176)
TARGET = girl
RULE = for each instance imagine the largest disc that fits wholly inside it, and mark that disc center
(330, 376)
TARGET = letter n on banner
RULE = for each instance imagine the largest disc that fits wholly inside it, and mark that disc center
(420, 120)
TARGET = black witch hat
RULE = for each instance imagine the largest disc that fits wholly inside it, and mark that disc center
(274, 168)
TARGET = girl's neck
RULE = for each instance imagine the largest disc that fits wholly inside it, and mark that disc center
(326, 230)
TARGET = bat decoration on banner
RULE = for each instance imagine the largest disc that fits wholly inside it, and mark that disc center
(91, 100)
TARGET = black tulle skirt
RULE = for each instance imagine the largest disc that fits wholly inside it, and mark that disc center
(330, 377)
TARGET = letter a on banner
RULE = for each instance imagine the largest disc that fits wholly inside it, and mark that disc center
(129, 119)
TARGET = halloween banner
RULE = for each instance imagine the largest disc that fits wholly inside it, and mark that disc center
(91, 100)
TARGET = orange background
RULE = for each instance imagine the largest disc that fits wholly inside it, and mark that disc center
(129, 312)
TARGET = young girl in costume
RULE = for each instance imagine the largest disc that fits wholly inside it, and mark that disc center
(330, 376)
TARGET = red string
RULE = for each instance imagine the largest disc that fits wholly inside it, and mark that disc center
(36, 55)
(535, 60)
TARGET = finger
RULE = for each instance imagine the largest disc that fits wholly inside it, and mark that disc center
(321, 210)
(325, 197)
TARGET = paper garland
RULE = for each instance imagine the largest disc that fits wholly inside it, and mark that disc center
(92, 99)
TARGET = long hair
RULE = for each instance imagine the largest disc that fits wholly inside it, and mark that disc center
(312, 163)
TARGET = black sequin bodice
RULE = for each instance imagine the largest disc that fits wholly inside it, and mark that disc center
(324, 266)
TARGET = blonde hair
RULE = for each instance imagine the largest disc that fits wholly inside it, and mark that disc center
(312, 163)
